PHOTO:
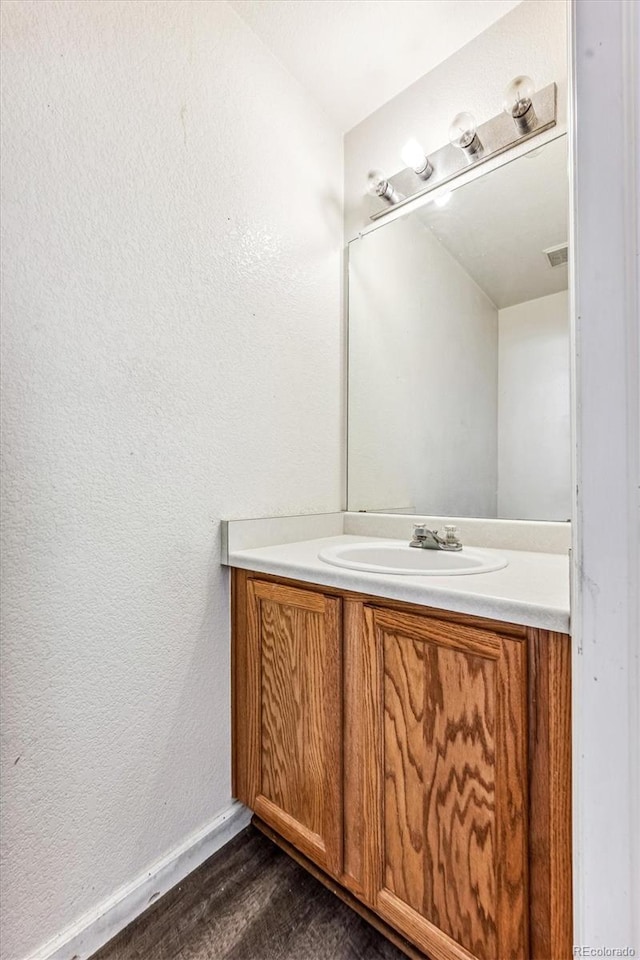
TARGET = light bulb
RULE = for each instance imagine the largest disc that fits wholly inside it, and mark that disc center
(375, 183)
(414, 156)
(443, 200)
(379, 186)
(517, 103)
(462, 133)
(517, 96)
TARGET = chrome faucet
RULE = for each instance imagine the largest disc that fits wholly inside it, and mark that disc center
(431, 539)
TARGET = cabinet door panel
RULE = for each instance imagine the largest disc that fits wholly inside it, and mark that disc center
(451, 799)
(294, 637)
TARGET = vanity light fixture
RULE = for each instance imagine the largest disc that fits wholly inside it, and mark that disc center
(463, 134)
(517, 103)
(531, 112)
(379, 186)
(414, 156)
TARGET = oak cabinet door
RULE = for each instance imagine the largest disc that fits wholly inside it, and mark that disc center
(447, 863)
(293, 704)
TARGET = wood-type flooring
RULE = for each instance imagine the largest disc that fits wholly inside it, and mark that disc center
(250, 901)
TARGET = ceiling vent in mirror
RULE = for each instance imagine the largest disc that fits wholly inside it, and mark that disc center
(558, 255)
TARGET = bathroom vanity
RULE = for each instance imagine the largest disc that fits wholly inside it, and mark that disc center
(402, 716)
(409, 749)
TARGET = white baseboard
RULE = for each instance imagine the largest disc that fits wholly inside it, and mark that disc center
(81, 940)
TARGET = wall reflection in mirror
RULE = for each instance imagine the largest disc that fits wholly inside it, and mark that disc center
(459, 401)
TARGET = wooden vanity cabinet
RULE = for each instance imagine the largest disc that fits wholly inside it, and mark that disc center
(288, 715)
(420, 758)
(448, 768)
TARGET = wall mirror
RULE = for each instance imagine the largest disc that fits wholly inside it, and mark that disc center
(459, 397)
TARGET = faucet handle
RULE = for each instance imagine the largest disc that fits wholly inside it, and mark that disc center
(419, 529)
(451, 534)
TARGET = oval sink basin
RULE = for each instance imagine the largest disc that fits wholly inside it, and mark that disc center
(396, 556)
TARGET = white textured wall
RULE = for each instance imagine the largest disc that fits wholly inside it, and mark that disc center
(530, 39)
(353, 55)
(534, 410)
(423, 377)
(172, 235)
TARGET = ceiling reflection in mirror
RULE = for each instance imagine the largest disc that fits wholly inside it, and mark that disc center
(459, 397)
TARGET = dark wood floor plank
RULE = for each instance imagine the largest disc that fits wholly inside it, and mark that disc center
(250, 901)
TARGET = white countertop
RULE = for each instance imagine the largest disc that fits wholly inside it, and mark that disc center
(533, 589)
